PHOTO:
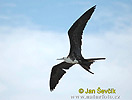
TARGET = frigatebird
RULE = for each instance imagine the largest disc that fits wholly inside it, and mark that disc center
(75, 56)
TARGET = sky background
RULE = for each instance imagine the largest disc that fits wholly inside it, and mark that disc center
(33, 34)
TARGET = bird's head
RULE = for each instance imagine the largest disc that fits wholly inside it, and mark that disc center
(62, 58)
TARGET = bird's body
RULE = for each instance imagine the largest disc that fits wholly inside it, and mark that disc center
(75, 56)
(69, 60)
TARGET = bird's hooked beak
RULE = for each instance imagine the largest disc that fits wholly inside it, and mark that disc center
(60, 59)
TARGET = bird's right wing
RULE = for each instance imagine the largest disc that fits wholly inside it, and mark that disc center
(57, 73)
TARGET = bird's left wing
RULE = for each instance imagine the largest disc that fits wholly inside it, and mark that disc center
(57, 73)
(76, 31)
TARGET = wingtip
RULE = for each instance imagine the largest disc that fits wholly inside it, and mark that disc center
(94, 7)
(52, 89)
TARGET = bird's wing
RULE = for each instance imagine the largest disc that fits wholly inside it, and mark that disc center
(57, 73)
(76, 31)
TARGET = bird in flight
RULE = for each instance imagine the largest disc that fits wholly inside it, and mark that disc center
(75, 56)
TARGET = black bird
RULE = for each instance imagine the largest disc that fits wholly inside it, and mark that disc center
(75, 56)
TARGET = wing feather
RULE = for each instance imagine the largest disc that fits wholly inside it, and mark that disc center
(76, 31)
(57, 73)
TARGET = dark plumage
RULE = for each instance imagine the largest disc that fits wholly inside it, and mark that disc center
(75, 56)
(57, 72)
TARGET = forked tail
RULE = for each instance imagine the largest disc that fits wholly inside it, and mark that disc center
(93, 59)
(87, 62)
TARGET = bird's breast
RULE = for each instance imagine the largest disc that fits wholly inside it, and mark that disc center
(69, 60)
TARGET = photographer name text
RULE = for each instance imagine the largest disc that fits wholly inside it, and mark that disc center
(98, 91)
